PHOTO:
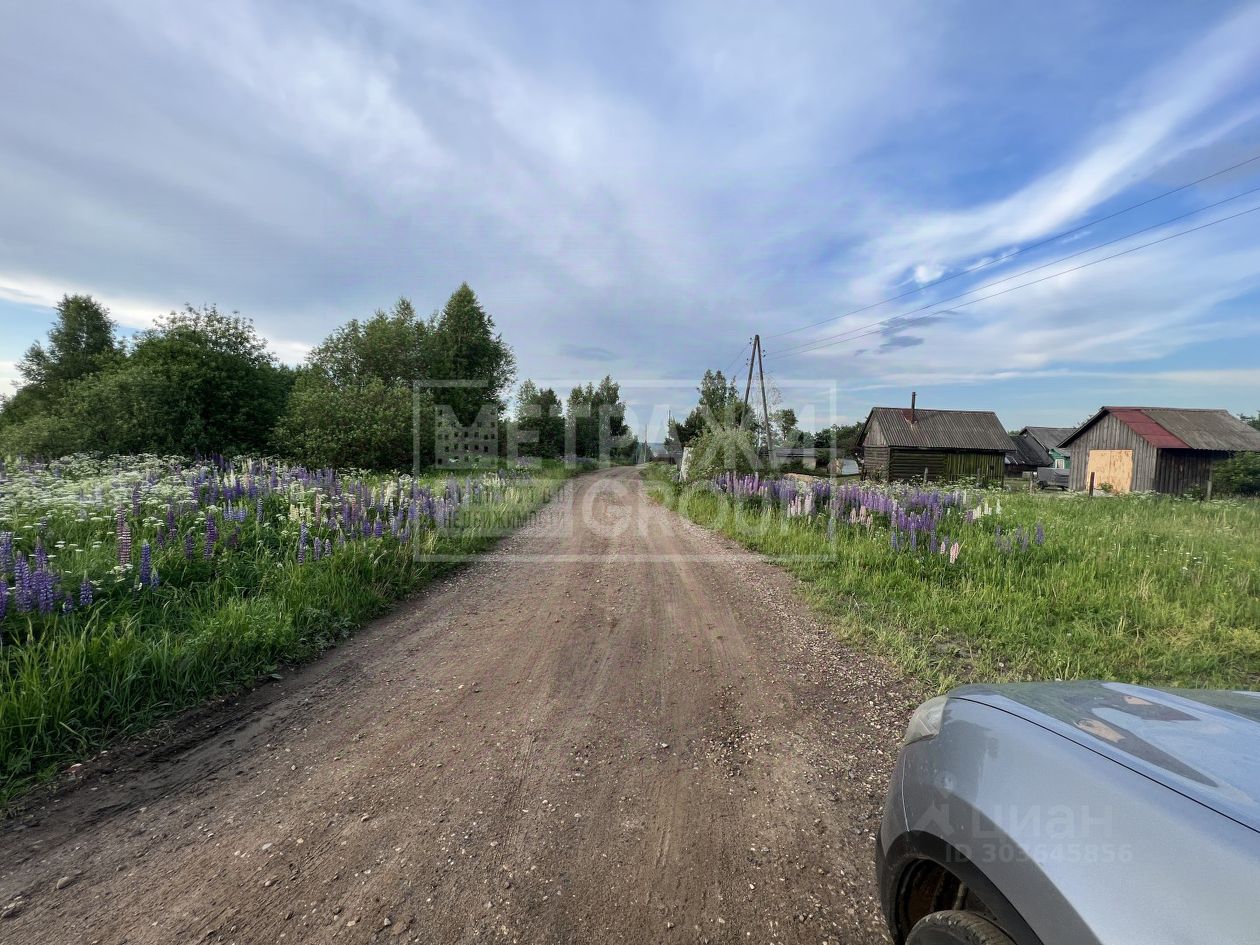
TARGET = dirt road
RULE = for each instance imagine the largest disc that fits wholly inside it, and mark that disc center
(618, 728)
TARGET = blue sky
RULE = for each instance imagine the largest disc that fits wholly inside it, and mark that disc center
(636, 188)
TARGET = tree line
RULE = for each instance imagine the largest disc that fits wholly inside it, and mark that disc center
(201, 381)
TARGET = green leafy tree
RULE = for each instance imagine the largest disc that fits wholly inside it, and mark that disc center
(204, 381)
(354, 403)
(393, 347)
(80, 342)
(840, 437)
(1239, 475)
(198, 382)
(468, 351)
(540, 415)
(596, 418)
(786, 432)
(720, 449)
(720, 405)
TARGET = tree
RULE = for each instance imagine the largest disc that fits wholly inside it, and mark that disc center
(840, 437)
(367, 425)
(354, 401)
(720, 404)
(540, 415)
(721, 449)
(786, 433)
(1240, 474)
(467, 350)
(81, 342)
(596, 419)
(392, 347)
(198, 382)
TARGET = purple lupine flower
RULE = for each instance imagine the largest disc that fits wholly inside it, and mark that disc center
(1039, 537)
(44, 591)
(159, 537)
(41, 555)
(22, 590)
(318, 548)
(189, 545)
(212, 536)
(378, 528)
(85, 593)
(6, 551)
(146, 564)
(4, 597)
(895, 540)
(124, 545)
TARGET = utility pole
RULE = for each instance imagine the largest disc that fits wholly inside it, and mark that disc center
(765, 409)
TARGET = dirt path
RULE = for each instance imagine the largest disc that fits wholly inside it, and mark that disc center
(618, 728)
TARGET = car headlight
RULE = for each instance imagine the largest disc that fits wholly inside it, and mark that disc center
(926, 721)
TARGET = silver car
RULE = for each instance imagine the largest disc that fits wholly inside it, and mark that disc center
(1080, 813)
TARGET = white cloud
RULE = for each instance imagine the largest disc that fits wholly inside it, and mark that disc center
(924, 273)
(1155, 122)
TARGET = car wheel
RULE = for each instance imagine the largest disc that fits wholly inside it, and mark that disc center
(956, 928)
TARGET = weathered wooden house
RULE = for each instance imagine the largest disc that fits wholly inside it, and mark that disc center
(943, 445)
(1037, 447)
(1155, 449)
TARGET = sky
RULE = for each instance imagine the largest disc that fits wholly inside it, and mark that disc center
(636, 188)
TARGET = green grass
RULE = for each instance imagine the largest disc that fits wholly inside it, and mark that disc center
(71, 684)
(1148, 590)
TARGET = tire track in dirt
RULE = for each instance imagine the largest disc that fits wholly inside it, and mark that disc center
(618, 727)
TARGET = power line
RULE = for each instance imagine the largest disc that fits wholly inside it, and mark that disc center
(1021, 250)
(1023, 285)
(806, 345)
(737, 357)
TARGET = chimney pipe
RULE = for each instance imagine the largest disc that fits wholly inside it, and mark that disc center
(914, 395)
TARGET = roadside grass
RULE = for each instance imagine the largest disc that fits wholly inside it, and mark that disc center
(1160, 591)
(72, 681)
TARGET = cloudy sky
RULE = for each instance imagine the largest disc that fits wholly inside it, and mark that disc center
(635, 188)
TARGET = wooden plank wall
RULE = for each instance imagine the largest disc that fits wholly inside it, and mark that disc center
(1179, 471)
(945, 465)
(1110, 434)
(875, 462)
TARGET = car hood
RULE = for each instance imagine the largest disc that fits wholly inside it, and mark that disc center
(1203, 743)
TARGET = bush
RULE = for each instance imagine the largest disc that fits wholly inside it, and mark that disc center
(1238, 476)
(721, 449)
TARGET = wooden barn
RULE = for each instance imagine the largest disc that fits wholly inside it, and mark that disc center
(943, 445)
(1155, 449)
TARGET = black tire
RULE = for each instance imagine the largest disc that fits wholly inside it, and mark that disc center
(956, 928)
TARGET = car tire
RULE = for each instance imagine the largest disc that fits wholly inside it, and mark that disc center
(956, 928)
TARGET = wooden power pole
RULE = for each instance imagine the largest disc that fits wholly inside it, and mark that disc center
(765, 408)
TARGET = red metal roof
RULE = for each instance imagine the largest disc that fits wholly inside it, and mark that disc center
(1150, 430)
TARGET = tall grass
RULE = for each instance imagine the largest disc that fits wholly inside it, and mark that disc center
(73, 680)
(1143, 589)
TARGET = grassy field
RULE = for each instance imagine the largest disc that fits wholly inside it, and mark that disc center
(1135, 588)
(133, 587)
